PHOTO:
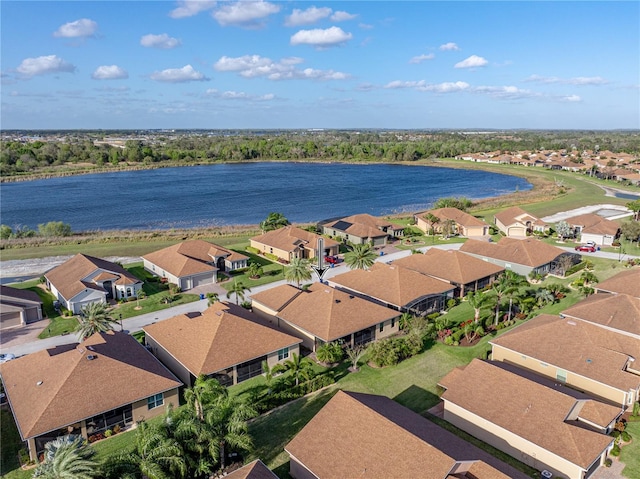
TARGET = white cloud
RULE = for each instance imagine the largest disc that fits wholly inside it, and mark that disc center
(507, 92)
(449, 47)
(189, 8)
(365, 26)
(306, 17)
(248, 14)
(80, 28)
(253, 66)
(580, 81)
(162, 41)
(109, 72)
(422, 58)
(239, 95)
(473, 61)
(43, 65)
(178, 75)
(320, 38)
(342, 16)
(572, 98)
(421, 85)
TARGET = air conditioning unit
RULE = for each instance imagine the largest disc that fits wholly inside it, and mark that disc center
(546, 474)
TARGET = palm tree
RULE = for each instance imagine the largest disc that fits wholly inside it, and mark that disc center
(299, 270)
(269, 373)
(544, 296)
(354, 354)
(67, 457)
(94, 318)
(254, 270)
(405, 320)
(204, 391)
(298, 366)
(155, 455)
(477, 301)
(515, 282)
(238, 289)
(499, 290)
(360, 256)
(432, 220)
(588, 278)
(273, 222)
(213, 298)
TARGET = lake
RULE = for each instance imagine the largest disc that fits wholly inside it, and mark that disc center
(240, 193)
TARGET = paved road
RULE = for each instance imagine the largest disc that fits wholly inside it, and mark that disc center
(138, 322)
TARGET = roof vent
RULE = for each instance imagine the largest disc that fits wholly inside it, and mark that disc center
(351, 296)
(337, 301)
(572, 323)
(91, 357)
(589, 360)
(90, 348)
(39, 383)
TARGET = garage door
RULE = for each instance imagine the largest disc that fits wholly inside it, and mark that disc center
(200, 280)
(10, 320)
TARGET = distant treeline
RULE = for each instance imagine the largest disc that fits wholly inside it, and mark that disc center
(51, 152)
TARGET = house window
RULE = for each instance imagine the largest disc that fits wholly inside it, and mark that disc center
(128, 292)
(381, 327)
(283, 354)
(544, 365)
(561, 375)
(523, 356)
(155, 401)
(393, 322)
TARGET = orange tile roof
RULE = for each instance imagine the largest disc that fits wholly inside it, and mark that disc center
(577, 346)
(534, 412)
(627, 282)
(459, 216)
(276, 298)
(67, 278)
(363, 226)
(391, 284)
(60, 386)
(331, 314)
(516, 215)
(449, 265)
(374, 437)
(528, 251)
(190, 257)
(594, 224)
(616, 311)
(290, 237)
(253, 470)
(9, 294)
(220, 338)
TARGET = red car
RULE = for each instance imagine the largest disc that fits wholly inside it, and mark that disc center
(331, 259)
(586, 248)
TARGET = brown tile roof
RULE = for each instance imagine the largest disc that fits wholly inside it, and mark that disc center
(391, 284)
(577, 346)
(594, 224)
(627, 282)
(57, 387)
(253, 470)
(449, 265)
(459, 216)
(9, 294)
(374, 437)
(534, 412)
(290, 237)
(330, 314)
(363, 226)
(515, 215)
(276, 298)
(219, 338)
(190, 257)
(529, 251)
(616, 311)
(67, 278)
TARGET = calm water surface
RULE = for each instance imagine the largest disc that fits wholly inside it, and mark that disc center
(245, 193)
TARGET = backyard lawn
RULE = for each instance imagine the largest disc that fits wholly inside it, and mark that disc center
(630, 454)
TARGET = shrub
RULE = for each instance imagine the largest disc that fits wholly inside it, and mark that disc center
(330, 353)
(615, 451)
(457, 334)
(272, 257)
(108, 433)
(448, 341)
(451, 302)
(578, 267)
(608, 462)
(626, 437)
(433, 316)
(253, 250)
(54, 228)
(116, 429)
(246, 304)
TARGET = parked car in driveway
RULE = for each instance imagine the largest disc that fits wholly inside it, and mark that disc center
(331, 259)
(586, 248)
(6, 357)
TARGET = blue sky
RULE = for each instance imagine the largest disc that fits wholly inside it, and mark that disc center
(308, 64)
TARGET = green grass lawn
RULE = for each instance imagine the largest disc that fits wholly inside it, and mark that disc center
(630, 454)
(271, 272)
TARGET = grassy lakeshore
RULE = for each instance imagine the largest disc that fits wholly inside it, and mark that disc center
(552, 191)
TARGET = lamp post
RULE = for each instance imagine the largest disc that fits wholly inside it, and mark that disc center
(121, 322)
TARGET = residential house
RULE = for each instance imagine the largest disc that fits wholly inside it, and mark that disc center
(107, 380)
(625, 282)
(517, 223)
(225, 342)
(322, 314)
(396, 287)
(467, 273)
(193, 263)
(362, 228)
(291, 242)
(616, 312)
(362, 435)
(584, 356)
(18, 307)
(253, 470)
(83, 280)
(522, 256)
(546, 427)
(462, 223)
(593, 227)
